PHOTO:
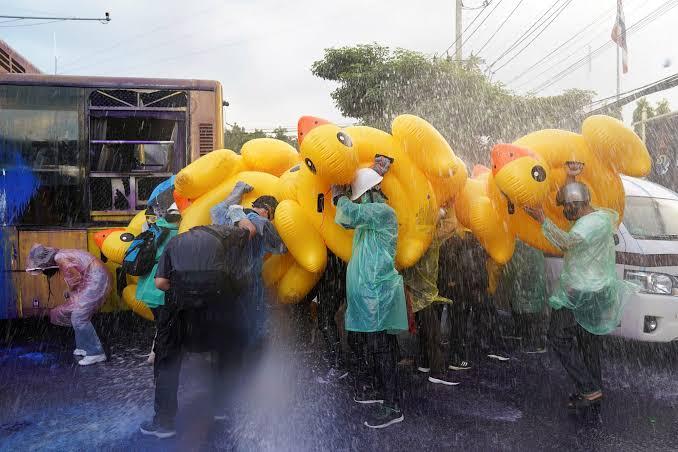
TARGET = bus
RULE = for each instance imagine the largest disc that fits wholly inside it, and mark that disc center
(91, 150)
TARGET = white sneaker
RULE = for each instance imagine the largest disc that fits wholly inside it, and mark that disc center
(92, 359)
(424, 370)
(79, 352)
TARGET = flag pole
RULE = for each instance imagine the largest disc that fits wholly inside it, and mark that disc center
(618, 76)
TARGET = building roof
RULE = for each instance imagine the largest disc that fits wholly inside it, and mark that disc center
(13, 61)
(108, 82)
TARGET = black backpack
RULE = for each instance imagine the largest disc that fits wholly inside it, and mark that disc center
(140, 256)
(197, 289)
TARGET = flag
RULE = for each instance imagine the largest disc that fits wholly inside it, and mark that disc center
(619, 35)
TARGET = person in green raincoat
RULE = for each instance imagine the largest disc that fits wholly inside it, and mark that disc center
(590, 297)
(374, 289)
(146, 292)
(523, 283)
(429, 307)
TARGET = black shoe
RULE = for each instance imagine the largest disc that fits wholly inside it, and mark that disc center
(367, 398)
(153, 429)
(442, 379)
(499, 355)
(535, 349)
(460, 365)
(384, 416)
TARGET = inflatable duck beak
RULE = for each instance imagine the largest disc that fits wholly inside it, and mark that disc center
(306, 124)
(503, 154)
(100, 236)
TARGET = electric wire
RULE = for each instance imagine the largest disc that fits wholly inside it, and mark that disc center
(500, 27)
(466, 39)
(467, 27)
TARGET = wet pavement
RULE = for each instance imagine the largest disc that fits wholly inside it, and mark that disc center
(48, 402)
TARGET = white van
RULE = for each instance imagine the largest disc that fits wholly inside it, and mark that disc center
(647, 253)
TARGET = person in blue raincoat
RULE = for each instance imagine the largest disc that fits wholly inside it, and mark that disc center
(264, 241)
(376, 306)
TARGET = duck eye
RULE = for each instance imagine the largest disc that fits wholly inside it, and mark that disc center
(310, 165)
(344, 139)
(538, 173)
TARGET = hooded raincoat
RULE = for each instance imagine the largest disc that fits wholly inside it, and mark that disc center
(88, 284)
(589, 285)
(146, 290)
(374, 289)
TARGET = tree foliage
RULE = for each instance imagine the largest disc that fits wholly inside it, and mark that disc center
(236, 136)
(662, 108)
(375, 84)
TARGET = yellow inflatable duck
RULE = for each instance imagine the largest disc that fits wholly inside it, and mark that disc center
(530, 171)
(425, 174)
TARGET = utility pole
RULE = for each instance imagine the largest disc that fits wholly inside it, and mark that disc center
(457, 30)
(618, 76)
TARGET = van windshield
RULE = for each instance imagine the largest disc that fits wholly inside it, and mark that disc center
(651, 218)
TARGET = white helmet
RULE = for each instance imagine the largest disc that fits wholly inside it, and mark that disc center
(365, 179)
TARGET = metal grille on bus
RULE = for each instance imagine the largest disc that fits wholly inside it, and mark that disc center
(138, 98)
(206, 132)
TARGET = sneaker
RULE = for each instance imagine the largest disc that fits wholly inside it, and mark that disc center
(460, 365)
(220, 417)
(92, 359)
(366, 398)
(384, 416)
(442, 380)
(152, 429)
(79, 352)
(499, 356)
(536, 349)
(424, 370)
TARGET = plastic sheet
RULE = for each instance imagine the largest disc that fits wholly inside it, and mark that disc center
(375, 292)
(589, 285)
(523, 280)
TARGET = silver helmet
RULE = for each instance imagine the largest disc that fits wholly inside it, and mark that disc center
(573, 192)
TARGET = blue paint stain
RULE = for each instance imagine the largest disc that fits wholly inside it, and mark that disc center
(18, 185)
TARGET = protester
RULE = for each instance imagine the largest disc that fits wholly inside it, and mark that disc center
(589, 299)
(202, 272)
(168, 227)
(266, 240)
(375, 294)
(430, 309)
(88, 284)
(464, 279)
(523, 283)
(331, 293)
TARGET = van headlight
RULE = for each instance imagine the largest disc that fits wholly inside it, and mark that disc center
(651, 282)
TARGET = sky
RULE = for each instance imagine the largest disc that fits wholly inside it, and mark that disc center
(262, 50)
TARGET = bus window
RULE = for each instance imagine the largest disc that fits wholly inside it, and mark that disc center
(41, 125)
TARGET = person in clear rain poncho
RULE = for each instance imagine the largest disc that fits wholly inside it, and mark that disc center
(88, 284)
(375, 294)
(589, 299)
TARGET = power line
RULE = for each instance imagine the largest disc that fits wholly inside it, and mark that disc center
(524, 36)
(105, 19)
(467, 27)
(469, 8)
(541, 60)
(30, 25)
(480, 24)
(642, 23)
(500, 27)
(554, 17)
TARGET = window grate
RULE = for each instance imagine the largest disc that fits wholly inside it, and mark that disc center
(206, 137)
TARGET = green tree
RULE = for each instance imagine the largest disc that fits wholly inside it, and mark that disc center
(375, 84)
(236, 136)
(663, 107)
(642, 104)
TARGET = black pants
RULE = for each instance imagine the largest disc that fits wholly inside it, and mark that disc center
(577, 349)
(376, 357)
(529, 326)
(327, 309)
(475, 328)
(178, 331)
(433, 348)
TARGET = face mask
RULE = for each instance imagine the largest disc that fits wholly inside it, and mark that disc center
(173, 217)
